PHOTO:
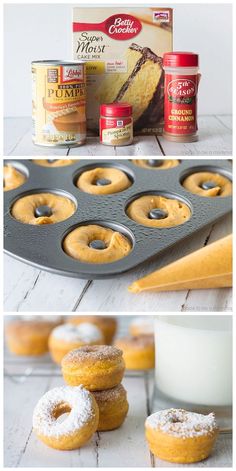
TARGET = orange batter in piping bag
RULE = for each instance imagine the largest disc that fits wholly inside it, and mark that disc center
(208, 267)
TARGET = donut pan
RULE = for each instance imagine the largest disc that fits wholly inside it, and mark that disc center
(41, 246)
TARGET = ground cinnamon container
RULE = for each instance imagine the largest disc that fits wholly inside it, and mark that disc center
(180, 105)
(59, 103)
(116, 124)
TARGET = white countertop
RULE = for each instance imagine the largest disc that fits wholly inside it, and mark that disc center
(27, 380)
(29, 289)
(215, 139)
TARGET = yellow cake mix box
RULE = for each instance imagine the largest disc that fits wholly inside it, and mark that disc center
(123, 50)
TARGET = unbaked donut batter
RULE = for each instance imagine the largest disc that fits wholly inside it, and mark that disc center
(96, 244)
(156, 164)
(208, 184)
(103, 181)
(42, 208)
(53, 162)
(158, 211)
(12, 178)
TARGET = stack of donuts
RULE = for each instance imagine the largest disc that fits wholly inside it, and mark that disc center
(94, 397)
(100, 368)
(138, 348)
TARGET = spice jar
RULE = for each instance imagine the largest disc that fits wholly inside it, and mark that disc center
(180, 103)
(116, 124)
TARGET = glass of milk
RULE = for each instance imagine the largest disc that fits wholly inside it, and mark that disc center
(194, 361)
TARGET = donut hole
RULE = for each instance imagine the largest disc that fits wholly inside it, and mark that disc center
(174, 420)
(157, 213)
(61, 412)
(97, 244)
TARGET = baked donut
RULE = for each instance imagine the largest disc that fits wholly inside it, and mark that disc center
(208, 184)
(97, 367)
(179, 436)
(138, 352)
(103, 181)
(106, 324)
(158, 211)
(141, 325)
(12, 178)
(113, 407)
(156, 164)
(28, 337)
(78, 426)
(42, 208)
(54, 162)
(96, 244)
(67, 337)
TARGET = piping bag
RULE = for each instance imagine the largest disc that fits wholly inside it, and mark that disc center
(208, 267)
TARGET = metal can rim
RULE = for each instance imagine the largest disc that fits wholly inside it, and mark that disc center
(57, 62)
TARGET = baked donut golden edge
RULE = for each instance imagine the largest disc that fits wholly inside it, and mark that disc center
(67, 337)
(28, 337)
(113, 407)
(96, 367)
(107, 325)
(138, 352)
(179, 436)
(77, 428)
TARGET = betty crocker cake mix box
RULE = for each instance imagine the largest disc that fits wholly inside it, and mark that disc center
(123, 49)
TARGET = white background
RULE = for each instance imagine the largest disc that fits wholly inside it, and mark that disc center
(43, 31)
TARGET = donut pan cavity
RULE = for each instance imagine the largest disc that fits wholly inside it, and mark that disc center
(41, 246)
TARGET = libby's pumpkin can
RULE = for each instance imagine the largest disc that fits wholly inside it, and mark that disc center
(59, 103)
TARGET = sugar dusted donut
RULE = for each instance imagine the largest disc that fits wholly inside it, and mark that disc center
(107, 325)
(28, 337)
(208, 184)
(42, 208)
(113, 407)
(156, 164)
(12, 178)
(138, 352)
(96, 244)
(179, 436)
(78, 426)
(103, 181)
(67, 337)
(141, 325)
(96, 367)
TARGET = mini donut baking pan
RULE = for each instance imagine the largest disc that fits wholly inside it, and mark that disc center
(41, 245)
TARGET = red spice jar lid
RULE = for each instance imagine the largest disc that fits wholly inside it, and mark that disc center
(116, 109)
(180, 59)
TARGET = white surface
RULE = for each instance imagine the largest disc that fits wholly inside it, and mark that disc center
(205, 378)
(124, 447)
(43, 31)
(215, 138)
(29, 289)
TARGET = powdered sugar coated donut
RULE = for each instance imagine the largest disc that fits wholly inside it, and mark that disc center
(180, 436)
(77, 427)
(67, 337)
(84, 333)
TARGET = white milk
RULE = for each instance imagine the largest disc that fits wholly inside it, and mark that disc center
(194, 358)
